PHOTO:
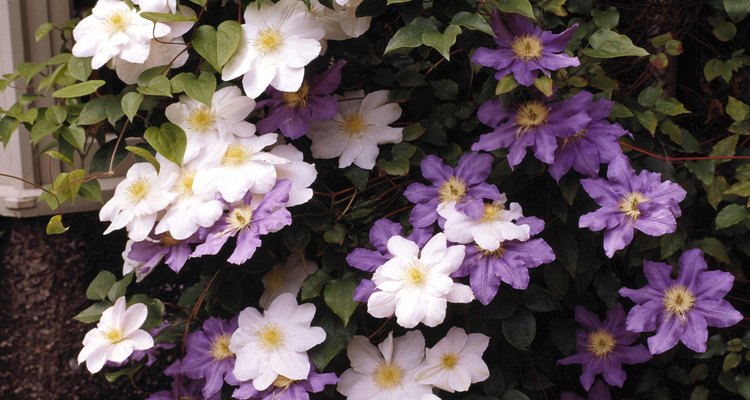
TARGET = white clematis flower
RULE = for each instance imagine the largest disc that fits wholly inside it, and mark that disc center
(488, 232)
(223, 120)
(161, 6)
(115, 30)
(116, 336)
(286, 278)
(341, 22)
(137, 200)
(278, 41)
(357, 130)
(274, 345)
(301, 174)
(386, 372)
(455, 362)
(417, 286)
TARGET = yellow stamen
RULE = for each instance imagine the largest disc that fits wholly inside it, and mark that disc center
(601, 343)
(453, 189)
(269, 40)
(275, 279)
(138, 189)
(283, 382)
(578, 136)
(387, 376)
(271, 337)
(531, 115)
(235, 155)
(297, 99)
(117, 21)
(527, 47)
(202, 119)
(167, 240)
(629, 204)
(220, 347)
(415, 274)
(678, 300)
(240, 218)
(491, 212)
(497, 253)
(115, 336)
(184, 183)
(354, 124)
(449, 360)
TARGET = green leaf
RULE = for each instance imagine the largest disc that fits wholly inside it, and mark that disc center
(370, 8)
(544, 84)
(539, 299)
(118, 289)
(169, 140)
(670, 106)
(445, 89)
(743, 386)
(555, 7)
(102, 158)
(75, 135)
(8, 125)
(520, 329)
(413, 132)
(725, 147)
(99, 287)
(737, 9)
(716, 249)
(313, 284)
(410, 35)
(607, 18)
(620, 111)
(338, 295)
(337, 337)
(648, 120)
(93, 313)
(217, 45)
(335, 235)
(650, 95)
(94, 111)
(725, 31)
(69, 183)
(200, 89)
(167, 17)
(671, 243)
(55, 225)
(472, 21)
(396, 167)
(403, 151)
(737, 110)
(43, 30)
(130, 103)
(715, 68)
(703, 170)
(92, 191)
(506, 84)
(608, 44)
(513, 394)
(731, 215)
(79, 89)
(125, 372)
(59, 156)
(43, 128)
(157, 86)
(522, 7)
(145, 155)
(715, 191)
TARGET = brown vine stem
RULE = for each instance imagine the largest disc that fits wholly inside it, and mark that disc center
(348, 206)
(192, 315)
(670, 159)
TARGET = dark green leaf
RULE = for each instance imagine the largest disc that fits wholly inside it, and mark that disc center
(130, 103)
(608, 44)
(79, 89)
(92, 313)
(99, 287)
(520, 329)
(169, 140)
(339, 294)
(731, 215)
(118, 289)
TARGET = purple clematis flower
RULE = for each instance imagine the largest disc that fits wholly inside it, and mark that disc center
(604, 346)
(597, 143)
(369, 260)
(600, 391)
(208, 356)
(248, 223)
(525, 49)
(510, 263)
(292, 112)
(628, 202)
(681, 309)
(286, 389)
(463, 185)
(534, 124)
(183, 388)
(157, 247)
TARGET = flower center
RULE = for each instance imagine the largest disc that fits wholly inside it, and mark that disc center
(601, 343)
(527, 47)
(629, 204)
(115, 336)
(240, 218)
(491, 212)
(220, 347)
(184, 183)
(236, 155)
(497, 253)
(578, 136)
(297, 99)
(416, 274)
(354, 124)
(269, 40)
(283, 382)
(453, 189)
(275, 279)
(678, 300)
(449, 360)
(201, 119)
(117, 21)
(271, 337)
(387, 376)
(530, 115)
(167, 240)
(138, 189)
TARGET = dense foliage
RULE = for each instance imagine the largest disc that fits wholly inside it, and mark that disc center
(550, 195)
